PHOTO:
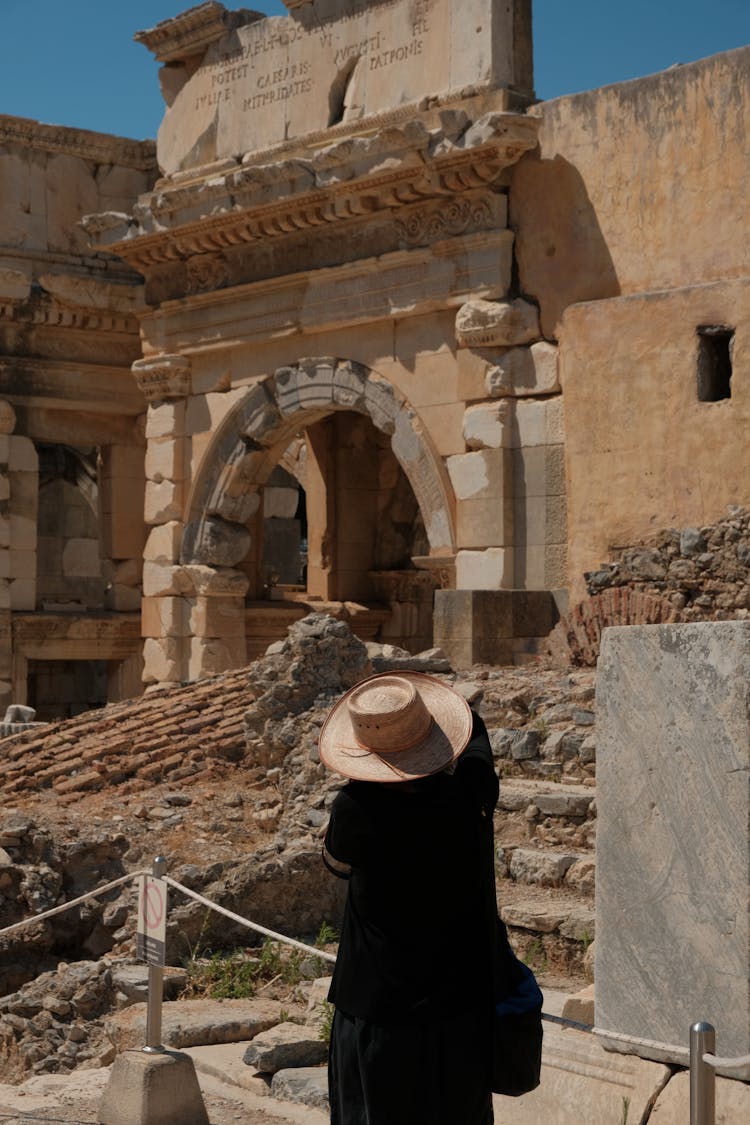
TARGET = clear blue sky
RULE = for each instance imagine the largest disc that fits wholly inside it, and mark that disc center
(74, 62)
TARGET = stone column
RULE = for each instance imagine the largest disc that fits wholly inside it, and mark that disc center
(165, 382)
(7, 425)
(509, 488)
(673, 843)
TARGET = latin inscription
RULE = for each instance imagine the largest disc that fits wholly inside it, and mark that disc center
(241, 73)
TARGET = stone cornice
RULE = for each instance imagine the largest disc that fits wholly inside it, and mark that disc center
(191, 32)
(356, 178)
(99, 148)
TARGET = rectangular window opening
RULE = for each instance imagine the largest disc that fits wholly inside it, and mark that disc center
(715, 347)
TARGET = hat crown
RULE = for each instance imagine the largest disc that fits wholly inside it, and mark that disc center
(388, 714)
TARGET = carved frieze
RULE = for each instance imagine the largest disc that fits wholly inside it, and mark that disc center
(446, 220)
(365, 183)
(206, 272)
(163, 376)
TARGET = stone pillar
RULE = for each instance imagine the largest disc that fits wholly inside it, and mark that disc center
(123, 532)
(19, 494)
(321, 546)
(673, 842)
(165, 382)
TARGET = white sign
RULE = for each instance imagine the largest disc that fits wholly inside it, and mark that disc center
(152, 920)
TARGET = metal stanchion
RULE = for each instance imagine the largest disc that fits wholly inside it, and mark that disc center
(702, 1076)
(155, 984)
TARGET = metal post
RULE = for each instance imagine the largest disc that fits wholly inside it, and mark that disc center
(702, 1076)
(155, 984)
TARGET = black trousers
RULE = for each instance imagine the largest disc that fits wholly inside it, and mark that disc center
(432, 1074)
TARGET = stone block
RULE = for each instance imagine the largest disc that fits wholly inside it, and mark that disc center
(163, 543)
(210, 655)
(7, 417)
(4, 532)
(484, 522)
(582, 1083)
(4, 449)
(286, 1045)
(124, 461)
(80, 558)
(164, 580)
(166, 420)
(538, 422)
(22, 533)
(487, 426)
(484, 570)
(165, 459)
(672, 1107)
(159, 1087)
(4, 486)
(124, 599)
(22, 563)
(480, 626)
(487, 472)
(4, 593)
(124, 531)
(216, 617)
(22, 454)
(163, 660)
(280, 503)
(539, 470)
(580, 1006)
(164, 617)
(162, 501)
(22, 592)
(673, 844)
(525, 371)
(491, 324)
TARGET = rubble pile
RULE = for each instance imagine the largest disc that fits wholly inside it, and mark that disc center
(247, 832)
(701, 571)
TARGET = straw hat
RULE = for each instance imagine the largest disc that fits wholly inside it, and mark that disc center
(395, 728)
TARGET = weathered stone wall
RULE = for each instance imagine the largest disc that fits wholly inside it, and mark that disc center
(631, 234)
(68, 334)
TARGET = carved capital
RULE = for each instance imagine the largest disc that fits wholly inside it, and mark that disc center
(163, 376)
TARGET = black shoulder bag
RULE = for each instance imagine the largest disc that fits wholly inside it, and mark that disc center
(517, 1014)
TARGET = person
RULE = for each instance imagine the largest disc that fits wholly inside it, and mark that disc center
(411, 831)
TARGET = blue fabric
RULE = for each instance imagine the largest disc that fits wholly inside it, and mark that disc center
(525, 997)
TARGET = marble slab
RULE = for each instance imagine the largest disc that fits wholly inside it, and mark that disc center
(672, 850)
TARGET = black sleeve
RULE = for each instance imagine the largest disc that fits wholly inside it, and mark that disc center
(475, 768)
(345, 843)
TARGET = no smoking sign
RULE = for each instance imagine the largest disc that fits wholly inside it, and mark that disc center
(152, 920)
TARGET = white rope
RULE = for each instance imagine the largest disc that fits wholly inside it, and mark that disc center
(719, 1063)
(250, 925)
(73, 902)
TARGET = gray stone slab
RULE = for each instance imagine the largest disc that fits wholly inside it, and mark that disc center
(582, 1083)
(673, 861)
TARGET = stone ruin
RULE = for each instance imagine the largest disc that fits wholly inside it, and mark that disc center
(309, 349)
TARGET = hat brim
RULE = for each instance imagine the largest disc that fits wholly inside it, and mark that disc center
(446, 739)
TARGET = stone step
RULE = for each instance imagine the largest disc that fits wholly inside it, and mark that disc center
(571, 801)
(552, 928)
(547, 867)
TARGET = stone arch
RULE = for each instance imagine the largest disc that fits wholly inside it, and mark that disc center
(260, 426)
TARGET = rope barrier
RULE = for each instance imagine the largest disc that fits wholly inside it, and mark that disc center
(250, 925)
(676, 1053)
(73, 902)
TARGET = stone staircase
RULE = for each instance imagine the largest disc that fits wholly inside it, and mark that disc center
(545, 872)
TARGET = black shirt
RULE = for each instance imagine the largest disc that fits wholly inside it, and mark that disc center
(416, 939)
